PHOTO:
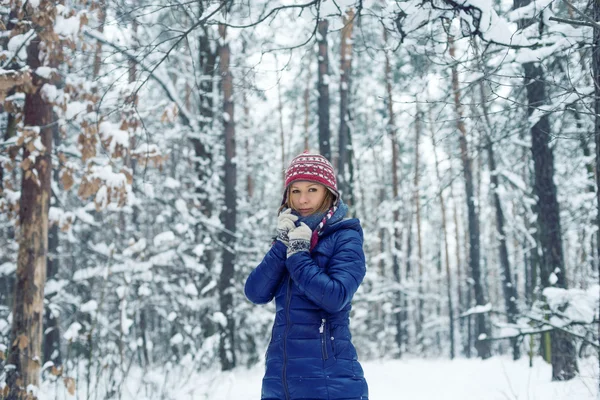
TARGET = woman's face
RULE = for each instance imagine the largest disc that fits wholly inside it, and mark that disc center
(307, 197)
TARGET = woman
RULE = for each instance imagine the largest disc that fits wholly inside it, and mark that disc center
(313, 269)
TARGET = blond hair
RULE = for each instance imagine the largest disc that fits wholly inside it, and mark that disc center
(325, 205)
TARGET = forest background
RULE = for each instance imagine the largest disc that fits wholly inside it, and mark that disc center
(143, 146)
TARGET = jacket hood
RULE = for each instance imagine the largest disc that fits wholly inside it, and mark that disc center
(348, 223)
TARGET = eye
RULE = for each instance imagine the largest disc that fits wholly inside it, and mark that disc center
(295, 191)
(312, 189)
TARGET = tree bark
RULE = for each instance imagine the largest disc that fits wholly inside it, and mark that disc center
(28, 307)
(417, 206)
(564, 358)
(344, 133)
(397, 240)
(323, 85)
(98, 51)
(446, 248)
(482, 330)
(596, 72)
(51, 343)
(508, 287)
(228, 215)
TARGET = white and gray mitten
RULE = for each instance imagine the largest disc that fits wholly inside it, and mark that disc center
(285, 222)
(299, 239)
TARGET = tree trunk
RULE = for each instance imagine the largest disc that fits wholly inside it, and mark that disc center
(98, 51)
(482, 331)
(306, 98)
(28, 307)
(203, 164)
(344, 133)
(51, 344)
(508, 287)
(281, 130)
(324, 133)
(564, 361)
(564, 358)
(446, 249)
(596, 72)
(228, 215)
(391, 127)
(417, 206)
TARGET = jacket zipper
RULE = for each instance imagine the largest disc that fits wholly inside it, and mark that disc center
(287, 327)
(323, 336)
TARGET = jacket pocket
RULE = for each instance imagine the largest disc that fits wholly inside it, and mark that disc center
(323, 334)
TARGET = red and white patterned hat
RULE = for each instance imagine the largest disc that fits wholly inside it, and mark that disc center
(313, 168)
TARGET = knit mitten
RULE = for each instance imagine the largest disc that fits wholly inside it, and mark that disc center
(299, 239)
(285, 222)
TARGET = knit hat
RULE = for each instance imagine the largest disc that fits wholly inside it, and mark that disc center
(313, 168)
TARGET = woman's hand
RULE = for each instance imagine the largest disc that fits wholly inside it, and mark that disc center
(299, 239)
(285, 222)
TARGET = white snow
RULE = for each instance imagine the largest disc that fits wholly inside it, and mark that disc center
(498, 378)
(44, 72)
(72, 332)
(190, 289)
(164, 238)
(66, 26)
(49, 92)
(89, 307)
(220, 318)
(75, 109)
(111, 133)
(7, 268)
(575, 305)
(480, 309)
(177, 339)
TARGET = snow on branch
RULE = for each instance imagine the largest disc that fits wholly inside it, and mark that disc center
(477, 17)
(568, 308)
(480, 309)
(162, 81)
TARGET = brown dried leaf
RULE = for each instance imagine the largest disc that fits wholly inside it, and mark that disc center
(56, 371)
(67, 179)
(21, 342)
(26, 164)
(87, 188)
(2, 356)
(5, 392)
(30, 146)
(70, 385)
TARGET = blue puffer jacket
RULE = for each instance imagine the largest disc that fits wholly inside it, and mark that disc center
(311, 355)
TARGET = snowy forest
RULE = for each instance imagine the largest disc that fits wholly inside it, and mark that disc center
(142, 152)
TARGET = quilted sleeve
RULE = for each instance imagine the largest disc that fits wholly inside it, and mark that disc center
(332, 290)
(263, 280)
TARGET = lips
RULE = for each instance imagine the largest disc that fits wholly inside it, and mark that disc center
(305, 210)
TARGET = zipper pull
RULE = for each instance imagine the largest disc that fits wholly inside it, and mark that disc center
(322, 327)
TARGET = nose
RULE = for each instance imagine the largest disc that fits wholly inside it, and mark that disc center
(303, 198)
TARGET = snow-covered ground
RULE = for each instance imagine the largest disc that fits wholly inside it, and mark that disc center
(415, 379)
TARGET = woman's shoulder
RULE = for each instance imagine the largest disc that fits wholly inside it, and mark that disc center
(346, 227)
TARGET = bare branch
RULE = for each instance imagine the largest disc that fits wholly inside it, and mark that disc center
(183, 112)
(582, 14)
(574, 22)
